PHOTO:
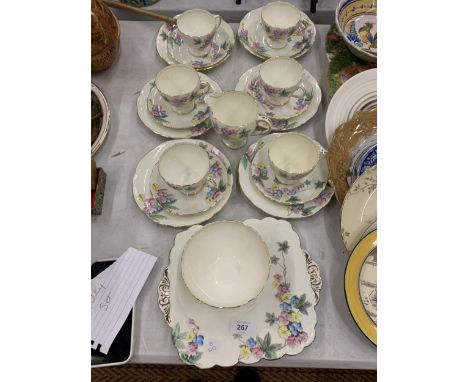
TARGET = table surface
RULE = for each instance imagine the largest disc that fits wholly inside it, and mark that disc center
(338, 343)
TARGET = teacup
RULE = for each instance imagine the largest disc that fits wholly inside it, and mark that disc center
(225, 264)
(279, 20)
(293, 156)
(235, 117)
(184, 167)
(198, 28)
(180, 85)
(280, 78)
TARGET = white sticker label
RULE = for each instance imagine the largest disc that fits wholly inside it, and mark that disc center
(213, 346)
(241, 327)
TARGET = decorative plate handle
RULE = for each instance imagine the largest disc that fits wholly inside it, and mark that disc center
(164, 296)
(314, 275)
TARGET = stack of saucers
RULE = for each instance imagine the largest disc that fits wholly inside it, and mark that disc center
(172, 105)
(286, 175)
(285, 92)
(199, 39)
(278, 29)
(182, 182)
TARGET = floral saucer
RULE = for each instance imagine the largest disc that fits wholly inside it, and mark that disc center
(302, 192)
(157, 127)
(292, 211)
(253, 38)
(177, 203)
(294, 107)
(159, 207)
(162, 111)
(172, 49)
(308, 107)
(359, 209)
(281, 320)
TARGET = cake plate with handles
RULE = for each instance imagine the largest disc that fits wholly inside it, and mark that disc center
(281, 320)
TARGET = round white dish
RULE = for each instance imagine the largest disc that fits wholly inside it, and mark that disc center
(310, 84)
(283, 314)
(156, 210)
(356, 94)
(157, 127)
(359, 209)
(305, 191)
(172, 49)
(293, 211)
(253, 37)
(225, 264)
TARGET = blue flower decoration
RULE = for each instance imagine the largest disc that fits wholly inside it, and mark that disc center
(198, 340)
(294, 299)
(285, 307)
(295, 328)
(251, 343)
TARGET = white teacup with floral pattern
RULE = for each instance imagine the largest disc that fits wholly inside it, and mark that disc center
(197, 28)
(279, 20)
(281, 78)
(293, 156)
(235, 117)
(180, 85)
(184, 167)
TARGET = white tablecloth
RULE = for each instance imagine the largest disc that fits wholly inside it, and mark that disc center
(339, 343)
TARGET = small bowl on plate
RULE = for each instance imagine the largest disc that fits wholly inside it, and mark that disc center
(225, 264)
(356, 21)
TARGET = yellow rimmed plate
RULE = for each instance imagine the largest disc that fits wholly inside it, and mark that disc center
(361, 285)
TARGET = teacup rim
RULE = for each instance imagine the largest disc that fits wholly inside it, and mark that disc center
(294, 174)
(238, 222)
(166, 68)
(284, 58)
(237, 125)
(185, 144)
(191, 11)
(292, 6)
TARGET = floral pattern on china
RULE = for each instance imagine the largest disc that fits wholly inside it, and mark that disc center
(293, 108)
(284, 312)
(175, 44)
(252, 36)
(290, 211)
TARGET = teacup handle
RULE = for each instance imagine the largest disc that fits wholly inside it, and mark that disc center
(218, 20)
(204, 88)
(263, 125)
(301, 89)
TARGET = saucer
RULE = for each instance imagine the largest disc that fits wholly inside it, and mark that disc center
(157, 127)
(158, 210)
(177, 203)
(173, 50)
(281, 320)
(163, 112)
(307, 113)
(293, 211)
(359, 209)
(264, 178)
(291, 109)
(253, 37)
(357, 94)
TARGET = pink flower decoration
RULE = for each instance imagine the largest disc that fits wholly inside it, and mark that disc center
(293, 341)
(257, 352)
(284, 318)
(278, 277)
(193, 326)
(303, 336)
(192, 349)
